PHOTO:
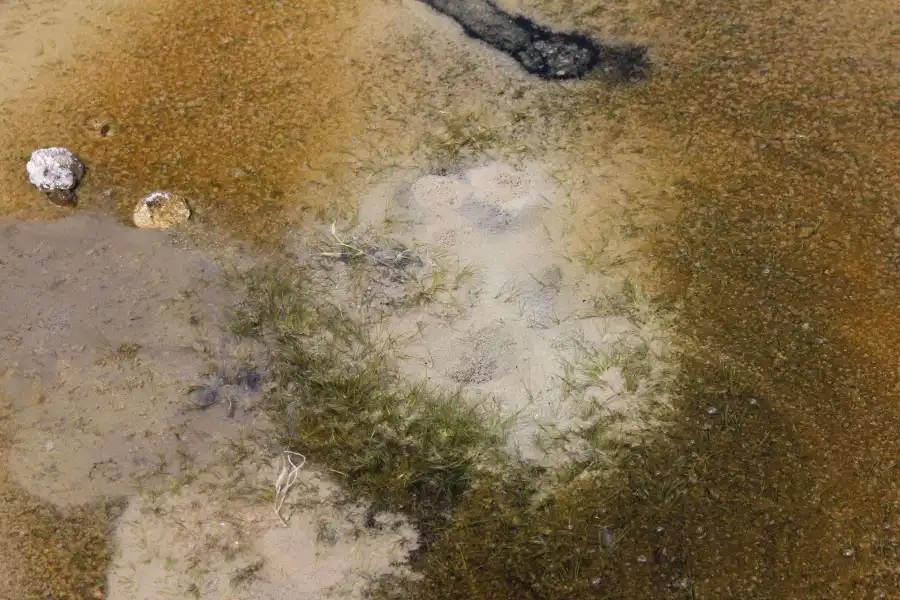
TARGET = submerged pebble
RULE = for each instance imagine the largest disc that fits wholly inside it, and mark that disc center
(52, 169)
(161, 210)
(56, 172)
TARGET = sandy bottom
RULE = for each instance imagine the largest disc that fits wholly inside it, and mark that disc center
(107, 331)
(216, 535)
(468, 271)
(122, 380)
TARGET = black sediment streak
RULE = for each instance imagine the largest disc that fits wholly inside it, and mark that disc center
(541, 51)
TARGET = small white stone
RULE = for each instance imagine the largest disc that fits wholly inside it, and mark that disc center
(161, 210)
(54, 169)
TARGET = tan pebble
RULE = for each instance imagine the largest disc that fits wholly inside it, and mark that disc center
(161, 210)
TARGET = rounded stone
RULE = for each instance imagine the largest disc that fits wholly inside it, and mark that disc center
(161, 210)
(54, 170)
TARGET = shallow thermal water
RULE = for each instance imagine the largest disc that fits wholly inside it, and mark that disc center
(760, 158)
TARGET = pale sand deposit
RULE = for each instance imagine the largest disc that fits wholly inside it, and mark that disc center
(469, 271)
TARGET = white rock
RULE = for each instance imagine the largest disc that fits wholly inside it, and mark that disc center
(54, 169)
(161, 210)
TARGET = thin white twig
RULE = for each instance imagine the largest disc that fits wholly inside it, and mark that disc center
(357, 251)
(287, 477)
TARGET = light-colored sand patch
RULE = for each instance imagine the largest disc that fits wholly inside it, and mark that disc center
(473, 274)
(217, 536)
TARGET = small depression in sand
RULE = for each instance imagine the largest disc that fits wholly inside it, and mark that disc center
(468, 272)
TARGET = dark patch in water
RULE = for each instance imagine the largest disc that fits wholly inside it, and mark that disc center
(251, 380)
(542, 51)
